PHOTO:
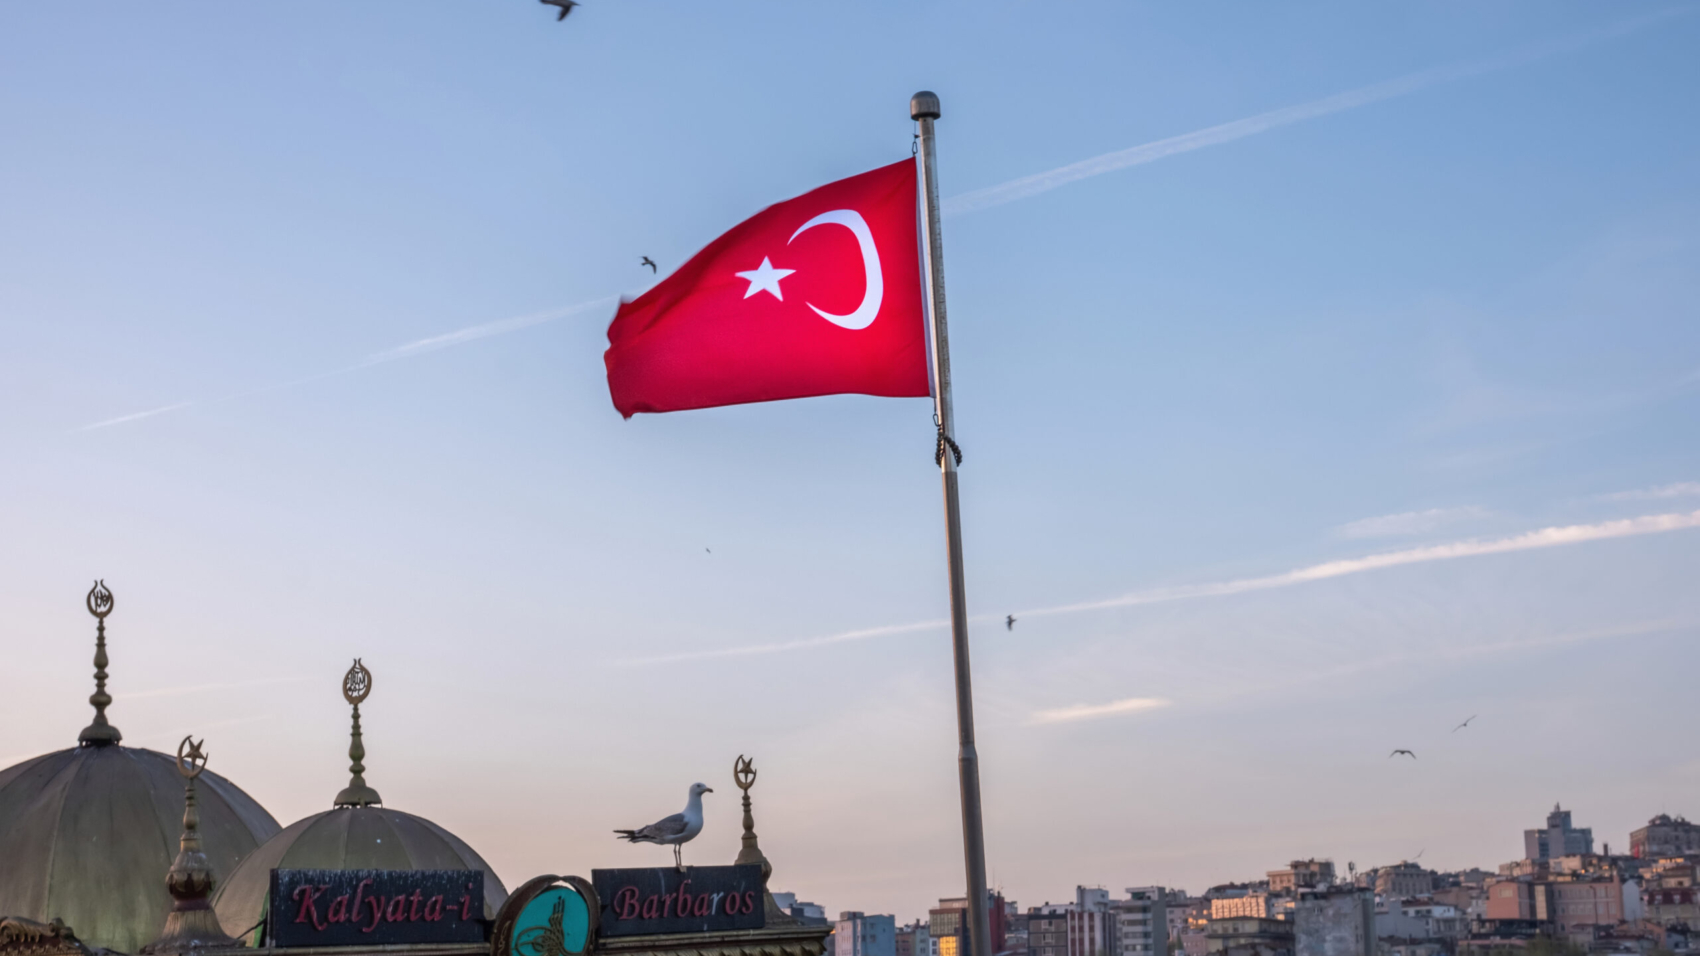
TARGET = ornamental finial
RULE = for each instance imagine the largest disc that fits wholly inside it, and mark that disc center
(99, 733)
(191, 926)
(744, 775)
(356, 685)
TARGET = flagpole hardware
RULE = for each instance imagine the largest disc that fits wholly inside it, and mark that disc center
(924, 110)
(944, 440)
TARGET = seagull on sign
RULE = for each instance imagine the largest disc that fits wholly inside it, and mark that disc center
(1402, 751)
(676, 829)
(565, 5)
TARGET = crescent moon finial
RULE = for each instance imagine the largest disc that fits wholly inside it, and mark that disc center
(191, 759)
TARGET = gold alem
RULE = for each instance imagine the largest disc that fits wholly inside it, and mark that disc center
(356, 685)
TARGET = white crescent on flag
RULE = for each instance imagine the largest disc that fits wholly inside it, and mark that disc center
(870, 307)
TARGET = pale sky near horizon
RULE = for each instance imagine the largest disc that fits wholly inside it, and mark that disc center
(1327, 374)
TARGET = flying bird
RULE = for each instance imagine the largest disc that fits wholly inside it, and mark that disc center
(1009, 622)
(647, 261)
(674, 830)
(565, 5)
(1402, 751)
(1464, 724)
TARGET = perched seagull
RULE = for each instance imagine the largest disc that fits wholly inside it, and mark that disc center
(565, 5)
(676, 829)
(1464, 724)
(1009, 622)
(647, 261)
(1393, 754)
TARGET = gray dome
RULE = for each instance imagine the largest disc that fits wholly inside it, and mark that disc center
(88, 834)
(348, 838)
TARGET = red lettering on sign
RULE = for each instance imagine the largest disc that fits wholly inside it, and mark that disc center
(354, 914)
(749, 901)
(704, 905)
(434, 909)
(731, 904)
(684, 899)
(339, 910)
(397, 910)
(413, 912)
(466, 904)
(652, 907)
(306, 896)
(377, 912)
(626, 903)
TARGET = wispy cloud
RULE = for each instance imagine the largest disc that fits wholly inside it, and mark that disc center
(135, 416)
(471, 333)
(1681, 489)
(1130, 705)
(1475, 547)
(1552, 537)
(1409, 522)
(781, 646)
(1263, 122)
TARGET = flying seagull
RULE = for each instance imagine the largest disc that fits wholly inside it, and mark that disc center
(565, 5)
(1402, 751)
(1464, 724)
(647, 261)
(1009, 622)
(676, 829)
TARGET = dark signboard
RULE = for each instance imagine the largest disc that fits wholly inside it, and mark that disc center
(376, 907)
(699, 899)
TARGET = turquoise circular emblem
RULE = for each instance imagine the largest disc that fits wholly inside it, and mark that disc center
(555, 923)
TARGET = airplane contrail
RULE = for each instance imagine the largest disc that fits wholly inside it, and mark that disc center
(471, 333)
(1037, 183)
(1474, 547)
(1046, 181)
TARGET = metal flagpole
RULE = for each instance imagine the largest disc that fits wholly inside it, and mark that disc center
(924, 109)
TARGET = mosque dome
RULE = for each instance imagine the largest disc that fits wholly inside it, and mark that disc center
(87, 835)
(355, 834)
(348, 838)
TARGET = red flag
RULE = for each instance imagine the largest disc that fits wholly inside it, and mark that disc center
(816, 295)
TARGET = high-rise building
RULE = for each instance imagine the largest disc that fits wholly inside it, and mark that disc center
(1404, 880)
(1558, 839)
(1047, 930)
(913, 940)
(857, 934)
(1178, 907)
(947, 927)
(1334, 921)
(1670, 895)
(1139, 925)
(1247, 906)
(1089, 922)
(1301, 873)
(1665, 836)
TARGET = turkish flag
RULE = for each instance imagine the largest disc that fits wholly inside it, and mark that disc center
(816, 295)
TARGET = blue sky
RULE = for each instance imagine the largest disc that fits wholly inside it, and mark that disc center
(1434, 320)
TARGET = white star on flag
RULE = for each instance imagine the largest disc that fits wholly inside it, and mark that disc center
(764, 278)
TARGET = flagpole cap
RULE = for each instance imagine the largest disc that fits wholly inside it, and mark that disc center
(924, 104)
